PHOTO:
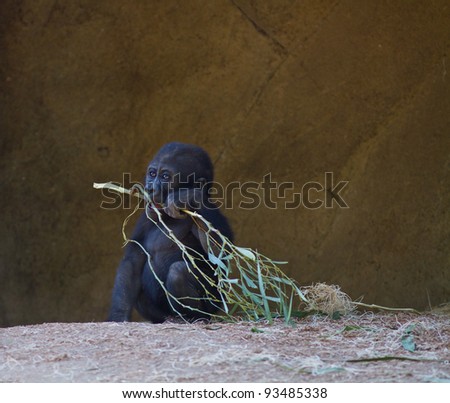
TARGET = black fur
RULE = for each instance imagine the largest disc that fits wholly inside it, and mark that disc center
(178, 177)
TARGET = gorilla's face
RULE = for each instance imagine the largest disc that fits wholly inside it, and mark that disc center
(159, 181)
(176, 166)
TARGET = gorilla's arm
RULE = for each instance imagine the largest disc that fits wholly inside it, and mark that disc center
(128, 278)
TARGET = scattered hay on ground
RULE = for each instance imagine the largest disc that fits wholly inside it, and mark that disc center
(367, 347)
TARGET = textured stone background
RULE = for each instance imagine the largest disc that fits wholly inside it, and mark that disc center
(91, 89)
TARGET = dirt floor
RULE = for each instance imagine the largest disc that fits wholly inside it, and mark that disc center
(358, 348)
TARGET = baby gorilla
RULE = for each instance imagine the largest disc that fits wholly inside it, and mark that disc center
(178, 178)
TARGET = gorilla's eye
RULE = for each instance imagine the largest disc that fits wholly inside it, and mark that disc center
(152, 174)
(166, 177)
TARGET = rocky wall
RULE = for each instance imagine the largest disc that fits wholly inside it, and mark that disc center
(90, 90)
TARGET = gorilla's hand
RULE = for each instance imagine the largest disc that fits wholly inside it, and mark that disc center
(183, 199)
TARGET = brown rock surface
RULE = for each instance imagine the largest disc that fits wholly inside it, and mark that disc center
(90, 90)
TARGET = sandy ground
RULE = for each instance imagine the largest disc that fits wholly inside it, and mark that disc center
(358, 348)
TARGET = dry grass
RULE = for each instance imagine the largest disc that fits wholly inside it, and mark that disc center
(327, 299)
(250, 284)
(356, 348)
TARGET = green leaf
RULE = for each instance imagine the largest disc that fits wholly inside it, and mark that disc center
(299, 293)
(263, 293)
(256, 330)
(230, 280)
(247, 253)
(258, 301)
(253, 297)
(273, 299)
(282, 280)
(408, 339)
(287, 310)
(215, 260)
(248, 280)
(336, 315)
(408, 343)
